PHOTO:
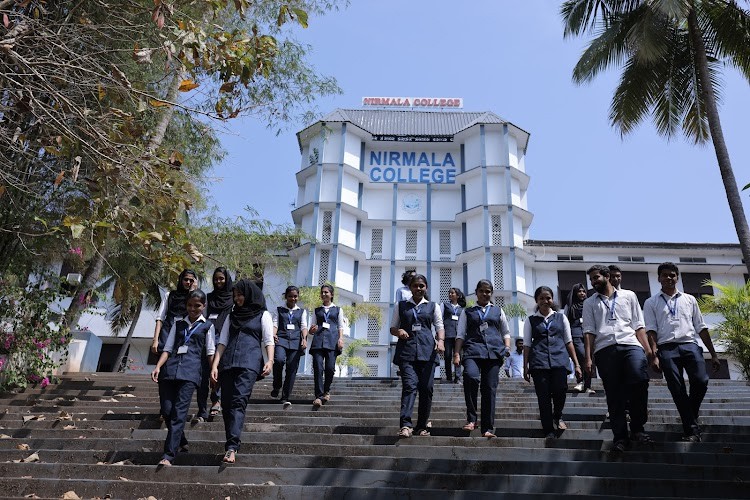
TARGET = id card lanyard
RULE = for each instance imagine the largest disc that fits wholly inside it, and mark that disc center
(671, 307)
(610, 306)
(188, 333)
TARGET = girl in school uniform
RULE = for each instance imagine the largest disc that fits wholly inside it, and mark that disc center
(290, 336)
(451, 312)
(239, 359)
(484, 337)
(178, 371)
(171, 309)
(574, 312)
(327, 343)
(417, 354)
(546, 338)
(220, 303)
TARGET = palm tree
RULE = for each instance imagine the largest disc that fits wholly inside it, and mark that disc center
(136, 282)
(733, 302)
(671, 52)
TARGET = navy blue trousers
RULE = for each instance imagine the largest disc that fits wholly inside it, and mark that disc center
(675, 359)
(324, 368)
(551, 387)
(417, 377)
(236, 387)
(176, 403)
(481, 375)
(623, 369)
(581, 355)
(289, 359)
(450, 348)
(204, 388)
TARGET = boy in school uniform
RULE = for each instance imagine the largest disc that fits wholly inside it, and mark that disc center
(673, 323)
(190, 339)
(616, 338)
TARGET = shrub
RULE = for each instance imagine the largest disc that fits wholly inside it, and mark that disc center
(734, 331)
(33, 342)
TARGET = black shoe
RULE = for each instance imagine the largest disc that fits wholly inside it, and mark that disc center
(275, 393)
(692, 438)
(620, 446)
(550, 435)
(641, 437)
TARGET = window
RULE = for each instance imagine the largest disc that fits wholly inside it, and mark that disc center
(497, 235)
(376, 280)
(565, 282)
(376, 244)
(411, 244)
(693, 260)
(445, 244)
(373, 332)
(692, 283)
(326, 233)
(570, 257)
(446, 278)
(325, 257)
(630, 259)
(637, 281)
(497, 272)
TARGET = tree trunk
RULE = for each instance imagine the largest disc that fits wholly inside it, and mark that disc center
(95, 267)
(717, 137)
(126, 343)
(90, 278)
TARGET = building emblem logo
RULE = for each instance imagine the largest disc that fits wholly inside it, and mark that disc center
(412, 204)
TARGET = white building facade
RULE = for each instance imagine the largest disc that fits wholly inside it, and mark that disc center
(381, 191)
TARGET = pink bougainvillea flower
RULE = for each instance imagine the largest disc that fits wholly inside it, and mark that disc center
(45, 382)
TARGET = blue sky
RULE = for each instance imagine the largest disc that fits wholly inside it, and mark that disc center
(587, 183)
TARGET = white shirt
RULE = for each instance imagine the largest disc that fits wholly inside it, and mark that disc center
(266, 324)
(303, 322)
(514, 364)
(403, 293)
(461, 326)
(682, 327)
(567, 337)
(437, 315)
(210, 346)
(608, 330)
(161, 314)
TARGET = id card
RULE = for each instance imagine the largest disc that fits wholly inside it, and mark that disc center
(213, 316)
(416, 328)
(326, 325)
(182, 349)
(454, 317)
(290, 326)
(483, 327)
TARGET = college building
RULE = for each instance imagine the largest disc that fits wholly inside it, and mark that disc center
(444, 192)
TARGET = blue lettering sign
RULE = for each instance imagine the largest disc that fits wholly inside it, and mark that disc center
(375, 157)
(375, 174)
(432, 167)
(423, 160)
(424, 175)
(409, 159)
(448, 160)
(389, 174)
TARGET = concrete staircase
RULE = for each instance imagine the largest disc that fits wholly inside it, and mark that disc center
(99, 435)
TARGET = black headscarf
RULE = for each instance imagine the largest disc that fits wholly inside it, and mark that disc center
(255, 303)
(220, 301)
(176, 303)
(575, 305)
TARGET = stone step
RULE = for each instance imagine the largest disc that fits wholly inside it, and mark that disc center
(349, 483)
(77, 463)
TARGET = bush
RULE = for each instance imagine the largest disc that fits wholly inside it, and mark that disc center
(734, 331)
(31, 335)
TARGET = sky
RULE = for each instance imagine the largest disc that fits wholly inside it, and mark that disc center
(509, 57)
